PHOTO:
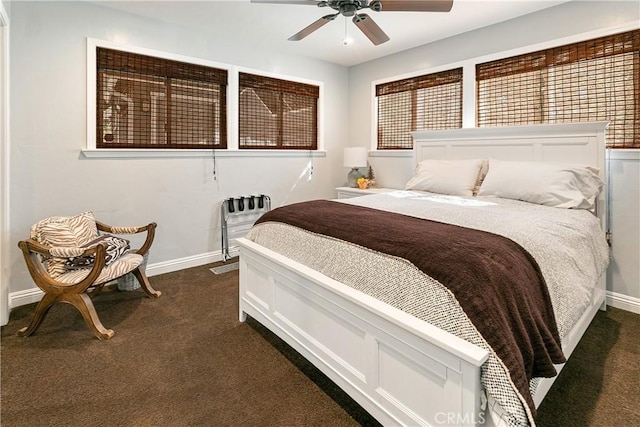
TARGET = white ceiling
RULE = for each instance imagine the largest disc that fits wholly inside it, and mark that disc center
(267, 26)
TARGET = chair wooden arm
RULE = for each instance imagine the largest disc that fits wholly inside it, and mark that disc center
(32, 249)
(48, 251)
(149, 228)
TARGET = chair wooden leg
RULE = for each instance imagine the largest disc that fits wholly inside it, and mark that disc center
(84, 304)
(41, 311)
(144, 282)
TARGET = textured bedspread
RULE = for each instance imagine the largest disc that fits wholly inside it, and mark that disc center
(568, 246)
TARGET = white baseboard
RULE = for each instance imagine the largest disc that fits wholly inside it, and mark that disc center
(29, 296)
(188, 262)
(623, 302)
(32, 295)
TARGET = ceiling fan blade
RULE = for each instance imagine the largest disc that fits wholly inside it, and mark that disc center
(370, 29)
(304, 2)
(311, 28)
(416, 5)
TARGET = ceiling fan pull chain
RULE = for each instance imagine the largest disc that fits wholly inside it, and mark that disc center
(346, 40)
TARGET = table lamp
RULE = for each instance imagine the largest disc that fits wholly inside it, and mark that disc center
(354, 158)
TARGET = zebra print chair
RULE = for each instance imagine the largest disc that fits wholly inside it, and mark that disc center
(71, 259)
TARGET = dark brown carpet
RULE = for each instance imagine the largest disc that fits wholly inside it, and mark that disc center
(185, 360)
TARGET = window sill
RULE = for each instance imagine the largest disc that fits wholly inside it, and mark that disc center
(624, 153)
(390, 153)
(169, 153)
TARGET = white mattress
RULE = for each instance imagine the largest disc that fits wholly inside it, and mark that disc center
(568, 245)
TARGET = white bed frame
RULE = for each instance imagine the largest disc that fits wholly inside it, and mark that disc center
(400, 369)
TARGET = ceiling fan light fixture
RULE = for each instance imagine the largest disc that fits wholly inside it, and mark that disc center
(350, 8)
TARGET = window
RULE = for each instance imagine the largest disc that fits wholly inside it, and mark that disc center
(277, 114)
(594, 80)
(431, 101)
(148, 102)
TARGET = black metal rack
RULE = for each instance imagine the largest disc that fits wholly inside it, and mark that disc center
(237, 216)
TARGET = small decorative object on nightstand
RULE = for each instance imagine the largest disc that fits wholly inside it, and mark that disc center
(362, 182)
(372, 183)
(354, 158)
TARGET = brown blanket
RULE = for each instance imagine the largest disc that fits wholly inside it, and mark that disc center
(497, 283)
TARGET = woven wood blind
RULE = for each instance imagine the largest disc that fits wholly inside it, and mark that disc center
(277, 114)
(594, 80)
(431, 101)
(148, 102)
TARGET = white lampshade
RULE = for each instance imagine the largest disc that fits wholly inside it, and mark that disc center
(355, 157)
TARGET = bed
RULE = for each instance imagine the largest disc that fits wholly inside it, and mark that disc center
(401, 368)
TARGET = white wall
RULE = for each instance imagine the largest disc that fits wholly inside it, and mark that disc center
(562, 22)
(50, 176)
(624, 270)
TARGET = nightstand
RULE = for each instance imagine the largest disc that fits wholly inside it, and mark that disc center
(348, 192)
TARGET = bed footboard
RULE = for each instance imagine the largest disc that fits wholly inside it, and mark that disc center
(400, 369)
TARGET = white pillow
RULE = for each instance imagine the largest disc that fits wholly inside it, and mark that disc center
(484, 168)
(454, 177)
(563, 185)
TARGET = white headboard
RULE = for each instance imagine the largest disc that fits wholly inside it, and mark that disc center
(582, 143)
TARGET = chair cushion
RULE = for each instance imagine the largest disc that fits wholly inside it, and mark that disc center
(74, 231)
(123, 265)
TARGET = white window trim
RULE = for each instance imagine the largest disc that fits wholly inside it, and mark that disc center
(232, 150)
(129, 153)
(469, 79)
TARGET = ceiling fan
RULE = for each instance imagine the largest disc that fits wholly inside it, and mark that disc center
(362, 20)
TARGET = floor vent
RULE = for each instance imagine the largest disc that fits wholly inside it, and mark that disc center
(221, 269)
